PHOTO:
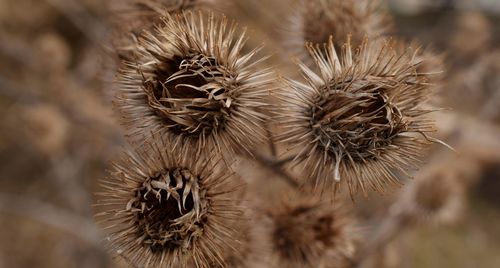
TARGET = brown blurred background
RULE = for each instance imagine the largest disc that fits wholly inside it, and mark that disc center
(58, 134)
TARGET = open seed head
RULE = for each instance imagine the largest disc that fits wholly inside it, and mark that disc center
(360, 119)
(316, 20)
(165, 210)
(191, 85)
(305, 232)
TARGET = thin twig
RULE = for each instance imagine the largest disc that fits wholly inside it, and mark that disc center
(276, 166)
(393, 225)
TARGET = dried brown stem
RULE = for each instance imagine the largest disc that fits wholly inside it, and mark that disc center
(387, 231)
(276, 166)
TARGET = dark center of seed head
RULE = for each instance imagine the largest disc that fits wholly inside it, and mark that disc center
(189, 85)
(354, 122)
(158, 203)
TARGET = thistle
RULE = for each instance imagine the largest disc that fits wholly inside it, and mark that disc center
(315, 21)
(360, 119)
(304, 232)
(162, 210)
(191, 85)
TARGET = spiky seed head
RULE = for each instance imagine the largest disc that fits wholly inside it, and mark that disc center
(316, 20)
(360, 119)
(305, 232)
(162, 210)
(192, 85)
(435, 197)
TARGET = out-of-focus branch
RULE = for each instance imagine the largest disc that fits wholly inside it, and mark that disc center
(93, 28)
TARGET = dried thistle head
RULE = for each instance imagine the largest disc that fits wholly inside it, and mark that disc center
(360, 119)
(305, 232)
(316, 20)
(165, 210)
(191, 85)
(436, 197)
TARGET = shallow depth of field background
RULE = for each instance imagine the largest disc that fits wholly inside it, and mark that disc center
(58, 134)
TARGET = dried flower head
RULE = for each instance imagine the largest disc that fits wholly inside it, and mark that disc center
(305, 232)
(436, 197)
(165, 211)
(316, 20)
(360, 118)
(191, 85)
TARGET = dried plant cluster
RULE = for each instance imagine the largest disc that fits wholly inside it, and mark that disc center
(194, 98)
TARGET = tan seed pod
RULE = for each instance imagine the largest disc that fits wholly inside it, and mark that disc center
(360, 119)
(165, 210)
(307, 232)
(315, 21)
(192, 86)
